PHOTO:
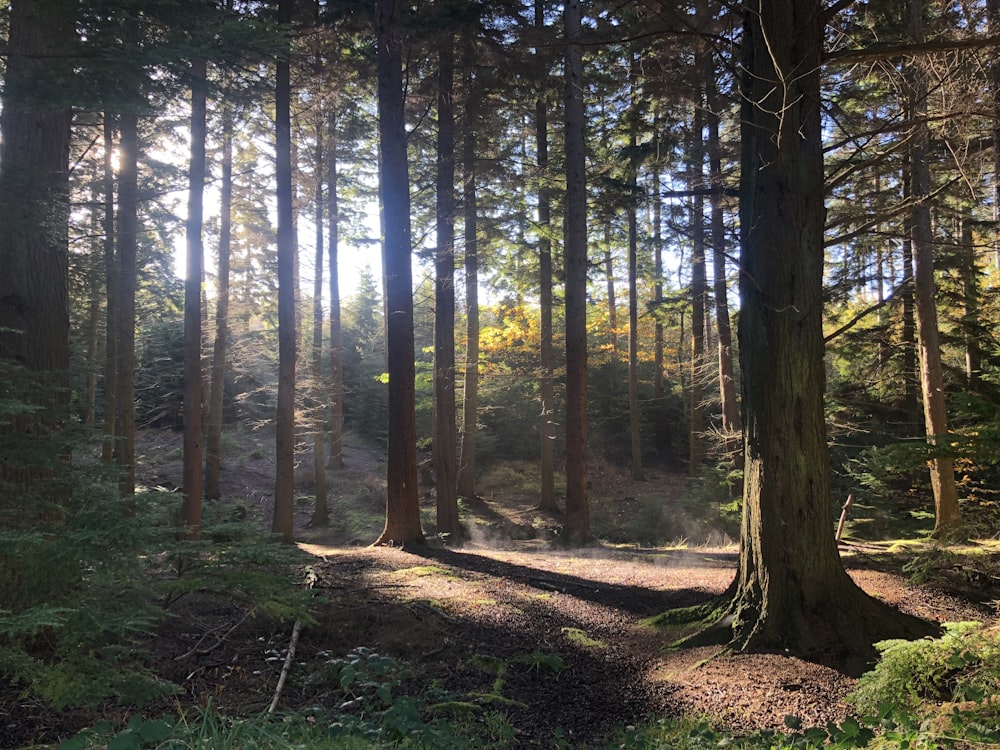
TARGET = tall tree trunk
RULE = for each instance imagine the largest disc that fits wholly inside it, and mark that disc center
(321, 515)
(699, 295)
(993, 28)
(577, 525)
(95, 292)
(34, 288)
(284, 485)
(470, 209)
(546, 354)
(402, 510)
(111, 272)
(216, 399)
(128, 227)
(971, 328)
(908, 329)
(635, 415)
(946, 513)
(658, 386)
(192, 472)
(445, 440)
(336, 461)
(609, 280)
(792, 592)
(732, 426)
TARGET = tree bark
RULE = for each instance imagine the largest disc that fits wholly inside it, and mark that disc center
(635, 414)
(128, 227)
(470, 209)
(402, 512)
(216, 398)
(732, 425)
(546, 354)
(192, 470)
(699, 296)
(111, 284)
(946, 513)
(336, 461)
(445, 433)
(321, 515)
(576, 529)
(792, 592)
(284, 485)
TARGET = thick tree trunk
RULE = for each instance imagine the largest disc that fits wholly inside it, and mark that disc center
(445, 433)
(792, 591)
(321, 515)
(284, 485)
(470, 209)
(402, 512)
(216, 398)
(34, 292)
(576, 529)
(946, 514)
(192, 471)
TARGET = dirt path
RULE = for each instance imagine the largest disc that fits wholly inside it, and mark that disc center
(466, 618)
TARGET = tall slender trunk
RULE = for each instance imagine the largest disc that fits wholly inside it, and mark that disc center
(546, 355)
(946, 513)
(609, 281)
(216, 399)
(971, 328)
(445, 441)
(336, 461)
(635, 415)
(192, 472)
(128, 227)
(699, 294)
(908, 329)
(321, 516)
(111, 284)
(402, 511)
(95, 279)
(577, 525)
(732, 425)
(470, 209)
(284, 485)
(658, 385)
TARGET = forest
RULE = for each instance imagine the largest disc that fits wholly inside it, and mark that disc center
(499, 374)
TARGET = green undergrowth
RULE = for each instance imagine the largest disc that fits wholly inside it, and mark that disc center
(923, 695)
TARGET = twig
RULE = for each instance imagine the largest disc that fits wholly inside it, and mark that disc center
(286, 668)
(196, 649)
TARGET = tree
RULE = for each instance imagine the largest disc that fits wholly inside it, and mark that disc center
(336, 461)
(284, 485)
(470, 211)
(946, 514)
(213, 437)
(576, 529)
(321, 516)
(402, 510)
(192, 480)
(445, 440)
(34, 286)
(546, 356)
(791, 591)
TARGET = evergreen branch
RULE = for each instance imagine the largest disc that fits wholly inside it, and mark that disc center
(868, 311)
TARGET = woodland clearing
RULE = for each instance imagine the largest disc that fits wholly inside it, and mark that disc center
(555, 642)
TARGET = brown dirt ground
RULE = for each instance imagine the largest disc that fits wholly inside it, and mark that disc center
(450, 614)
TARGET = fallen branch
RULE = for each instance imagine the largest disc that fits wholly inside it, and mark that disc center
(197, 650)
(287, 667)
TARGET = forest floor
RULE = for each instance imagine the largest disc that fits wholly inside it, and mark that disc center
(547, 643)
